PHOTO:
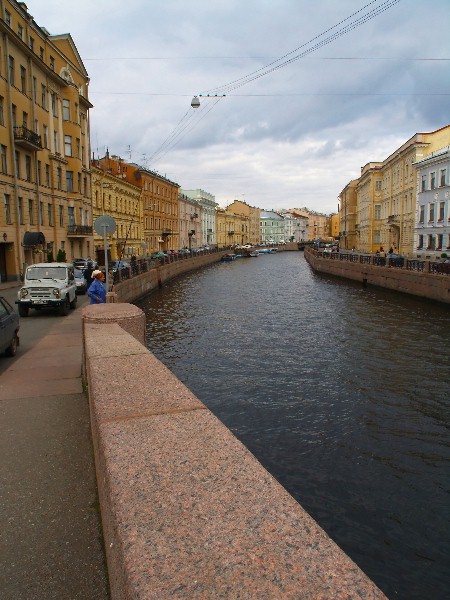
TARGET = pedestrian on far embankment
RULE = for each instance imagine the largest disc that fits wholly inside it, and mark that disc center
(97, 291)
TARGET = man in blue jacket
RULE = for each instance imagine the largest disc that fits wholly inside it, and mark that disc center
(97, 291)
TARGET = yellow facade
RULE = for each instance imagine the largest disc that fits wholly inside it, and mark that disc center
(334, 225)
(231, 229)
(347, 216)
(115, 197)
(369, 198)
(45, 181)
(160, 203)
(251, 213)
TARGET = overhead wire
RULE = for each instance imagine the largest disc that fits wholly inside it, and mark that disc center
(175, 137)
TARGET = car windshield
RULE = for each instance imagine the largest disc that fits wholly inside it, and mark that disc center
(78, 273)
(46, 273)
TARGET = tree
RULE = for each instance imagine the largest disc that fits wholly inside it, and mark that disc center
(61, 256)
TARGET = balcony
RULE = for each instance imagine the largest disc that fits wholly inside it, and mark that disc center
(231, 233)
(79, 230)
(394, 219)
(166, 234)
(26, 138)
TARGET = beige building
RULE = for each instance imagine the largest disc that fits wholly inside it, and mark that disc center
(251, 213)
(231, 229)
(121, 200)
(386, 196)
(334, 225)
(45, 182)
(190, 222)
(348, 216)
(159, 195)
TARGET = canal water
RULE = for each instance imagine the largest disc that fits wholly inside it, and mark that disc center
(341, 392)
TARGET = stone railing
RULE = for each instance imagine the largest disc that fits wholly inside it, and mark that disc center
(187, 511)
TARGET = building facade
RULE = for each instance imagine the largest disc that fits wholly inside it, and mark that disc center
(272, 227)
(369, 201)
(347, 216)
(252, 213)
(231, 229)
(45, 181)
(121, 200)
(190, 221)
(432, 227)
(207, 232)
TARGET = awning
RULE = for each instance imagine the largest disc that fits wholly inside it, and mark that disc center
(33, 238)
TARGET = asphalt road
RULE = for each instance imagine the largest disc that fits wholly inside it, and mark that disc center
(33, 327)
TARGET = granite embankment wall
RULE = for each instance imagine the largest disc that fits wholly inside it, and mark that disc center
(426, 285)
(187, 511)
(137, 287)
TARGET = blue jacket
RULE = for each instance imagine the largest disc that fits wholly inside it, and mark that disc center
(97, 290)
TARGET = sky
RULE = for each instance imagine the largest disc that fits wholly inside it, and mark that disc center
(349, 90)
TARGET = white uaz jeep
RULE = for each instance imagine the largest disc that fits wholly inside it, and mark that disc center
(48, 285)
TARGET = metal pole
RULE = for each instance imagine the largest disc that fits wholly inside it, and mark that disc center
(105, 246)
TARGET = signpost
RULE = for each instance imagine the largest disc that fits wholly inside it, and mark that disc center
(103, 225)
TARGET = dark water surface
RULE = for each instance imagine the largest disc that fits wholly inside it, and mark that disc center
(341, 392)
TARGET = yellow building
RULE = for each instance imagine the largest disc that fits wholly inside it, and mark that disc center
(45, 182)
(399, 189)
(115, 197)
(369, 198)
(334, 225)
(231, 229)
(347, 216)
(160, 203)
(251, 213)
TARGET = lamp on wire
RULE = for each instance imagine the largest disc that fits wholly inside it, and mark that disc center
(195, 103)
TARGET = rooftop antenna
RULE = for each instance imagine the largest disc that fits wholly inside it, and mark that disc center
(128, 151)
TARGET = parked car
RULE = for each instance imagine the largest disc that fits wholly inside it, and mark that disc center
(9, 328)
(83, 263)
(118, 265)
(48, 285)
(158, 255)
(80, 281)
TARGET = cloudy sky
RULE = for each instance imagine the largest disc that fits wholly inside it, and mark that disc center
(312, 92)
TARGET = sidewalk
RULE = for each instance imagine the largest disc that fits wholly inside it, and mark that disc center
(51, 539)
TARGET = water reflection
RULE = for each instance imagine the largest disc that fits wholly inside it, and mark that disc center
(341, 392)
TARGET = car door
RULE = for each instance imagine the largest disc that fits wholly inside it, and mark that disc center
(8, 321)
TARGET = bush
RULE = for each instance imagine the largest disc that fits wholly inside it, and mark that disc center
(50, 257)
(61, 256)
(444, 255)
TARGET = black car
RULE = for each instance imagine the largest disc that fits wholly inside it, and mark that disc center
(9, 328)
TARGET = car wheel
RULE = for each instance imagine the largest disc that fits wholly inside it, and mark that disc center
(73, 304)
(23, 310)
(64, 308)
(12, 348)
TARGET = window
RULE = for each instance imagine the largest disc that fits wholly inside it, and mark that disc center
(23, 79)
(440, 239)
(41, 213)
(35, 89)
(69, 181)
(31, 43)
(377, 236)
(423, 186)
(14, 114)
(377, 211)
(3, 159)
(39, 172)
(20, 210)
(30, 212)
(420, 243)
(71, 215)
(431, 213)
(28, 167)
(441, 211)
(66, 109)
(433, 180)
(59, 178)
(17, 157)
(68, 145)
(45, 135)
(8, 18)
(2, 110)
(422, 213)
(78, 147)
(7, 209)
(443, 177)
(431, 242)
(54, 102)
(50, 214)
(47, 175)
(20, 31)
(79, 182)
(52, 63)
(25, 119)
(41, 53)
(11, 70)
(55, 142)
(61, 215)
(43, 96)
